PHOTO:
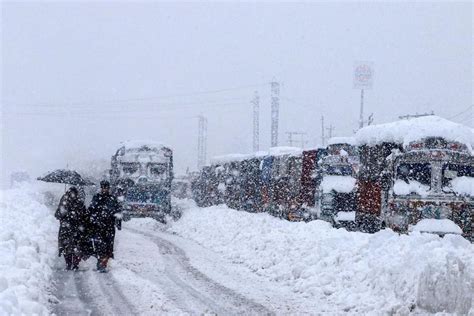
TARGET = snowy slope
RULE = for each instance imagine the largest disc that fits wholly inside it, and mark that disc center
(28, 233)
(344, 271)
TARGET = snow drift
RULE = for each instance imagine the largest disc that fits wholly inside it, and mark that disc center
(351, 272)
(28, 248)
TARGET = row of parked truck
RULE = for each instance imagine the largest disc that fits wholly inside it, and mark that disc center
(415, 174)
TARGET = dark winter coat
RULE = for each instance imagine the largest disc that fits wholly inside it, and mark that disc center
(104, 212)
(73, 224)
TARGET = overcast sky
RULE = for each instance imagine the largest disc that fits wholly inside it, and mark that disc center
(77, 78)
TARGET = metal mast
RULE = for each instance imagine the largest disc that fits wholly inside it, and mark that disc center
(202, 141)
(275, 93)
(256, 127)
(323, 138)
(361, 113)
(291, 140)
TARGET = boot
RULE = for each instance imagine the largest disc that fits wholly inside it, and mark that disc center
(75, 262)
(102, 264)
(68, 260)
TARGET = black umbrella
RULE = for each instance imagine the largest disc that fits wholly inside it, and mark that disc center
(65, 176)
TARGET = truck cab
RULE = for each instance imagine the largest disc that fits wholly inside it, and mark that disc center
(431, 188)
(337, 190)
(141, 176)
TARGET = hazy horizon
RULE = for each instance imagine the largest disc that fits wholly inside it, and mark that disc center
(78, 78)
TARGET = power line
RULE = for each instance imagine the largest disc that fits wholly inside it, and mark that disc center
(462, 112)
(131, 111)
(203, 92)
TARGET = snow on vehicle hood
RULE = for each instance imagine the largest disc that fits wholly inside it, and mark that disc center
(463, 186)
(430, 225)
(400, 187)
(406, 131)
(341, 184)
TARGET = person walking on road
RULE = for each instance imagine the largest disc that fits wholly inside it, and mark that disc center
(105, 214)
(73, 217)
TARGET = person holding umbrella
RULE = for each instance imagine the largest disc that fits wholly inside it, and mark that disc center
(74, 242)
(72, 216)
(105, 214)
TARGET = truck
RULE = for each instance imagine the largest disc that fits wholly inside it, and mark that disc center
(416, 175)
(337, 191)
(141, 175)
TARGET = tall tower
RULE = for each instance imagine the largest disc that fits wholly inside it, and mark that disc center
(256, 127)
(275, 93)
(202, 141)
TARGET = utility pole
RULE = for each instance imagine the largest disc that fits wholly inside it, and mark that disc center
(256, 127)
(330, 129)
(202, 141)
(275, 95)
(363, 79)
(322, 131)
(361, 114)
(302, 138)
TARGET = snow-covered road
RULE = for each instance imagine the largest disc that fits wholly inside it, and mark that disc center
(221, 261)
(151, 275)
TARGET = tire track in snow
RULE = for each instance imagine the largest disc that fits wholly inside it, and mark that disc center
(189, 282)
(72, 296)
(87, 292)
(106, 293)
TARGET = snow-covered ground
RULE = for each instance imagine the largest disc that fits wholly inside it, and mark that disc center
(28, 234)
(218, 260)
(342, 271)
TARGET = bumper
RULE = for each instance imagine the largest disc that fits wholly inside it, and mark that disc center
(138, 210)
(402, 214)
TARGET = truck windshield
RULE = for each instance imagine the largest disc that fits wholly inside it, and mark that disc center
(420, 172)
(130, 168)
(157, 169)
(339, 170)
(452, 171)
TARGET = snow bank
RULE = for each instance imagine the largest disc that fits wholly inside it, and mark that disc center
(442, 226)
(406, 131)
(345, 272)
(400, 187)
(28, 246)
(341, 184)
(463, 186)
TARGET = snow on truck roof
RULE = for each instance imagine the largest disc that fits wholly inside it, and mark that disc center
(406, 131)
(342, 140)
(229, 158)
(140, 143)
(285, 150)
(274, 151)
